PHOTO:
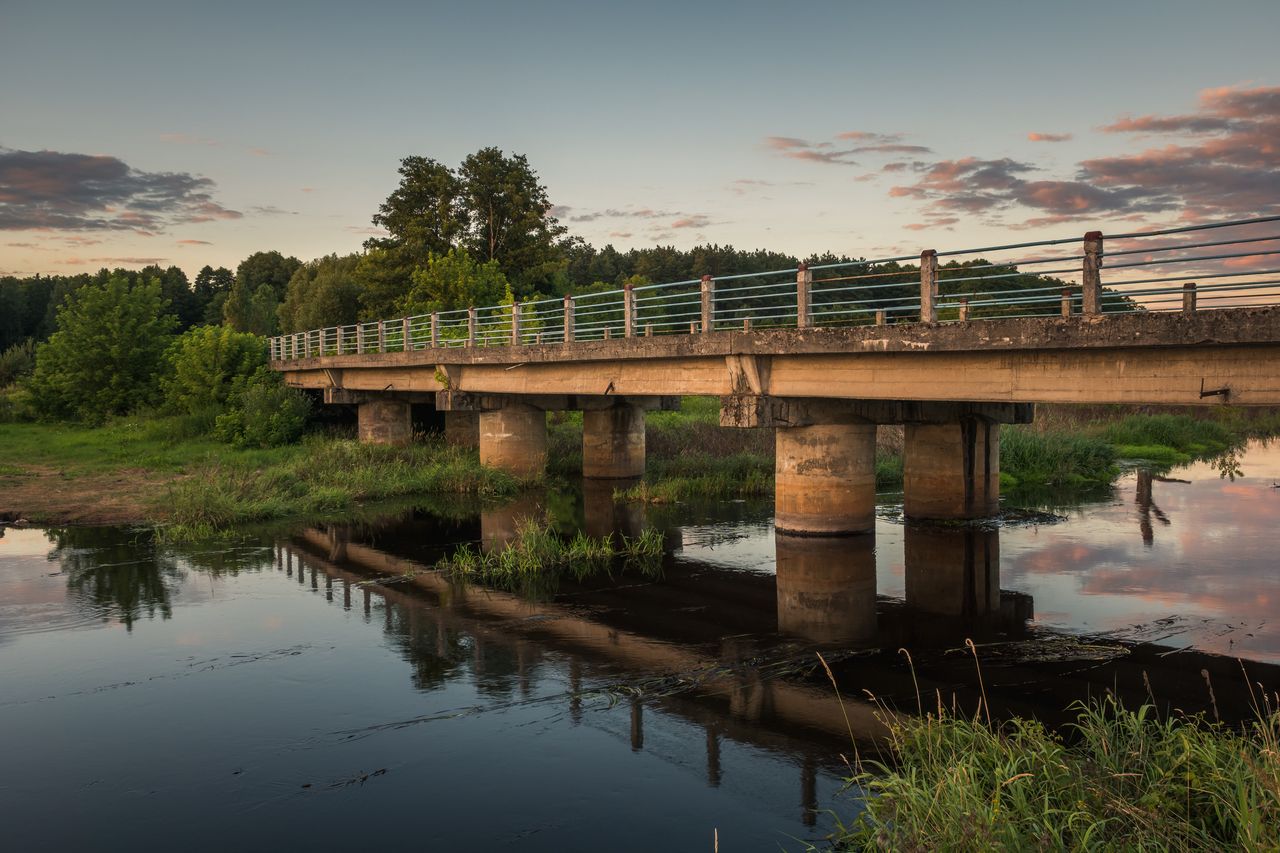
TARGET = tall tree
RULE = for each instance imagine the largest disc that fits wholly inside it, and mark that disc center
(422, 215)
(323, 292)
(270, 268)
(210, 291)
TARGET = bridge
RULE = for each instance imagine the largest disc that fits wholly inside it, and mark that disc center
(826, 353)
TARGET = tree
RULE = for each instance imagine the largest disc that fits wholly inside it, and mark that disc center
(108, 352)
(322, 293)
(210, 291)
(451, 281)
(424, 214)
(175, 287)
(270, 268)
(205, 363)
(508, 218)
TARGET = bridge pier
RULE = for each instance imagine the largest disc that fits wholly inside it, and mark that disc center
(514, 439)
(825, 479)
(827, 587)
(384, 420)
(462, 429)
(613, 443)
(951, 471)
(952, 572)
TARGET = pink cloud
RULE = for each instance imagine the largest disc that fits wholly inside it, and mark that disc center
(1049, 137)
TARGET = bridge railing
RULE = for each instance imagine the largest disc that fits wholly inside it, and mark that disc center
(1196, 267)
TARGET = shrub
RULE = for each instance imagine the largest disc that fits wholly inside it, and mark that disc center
(263, 412)
(205, 365)
(17, 361)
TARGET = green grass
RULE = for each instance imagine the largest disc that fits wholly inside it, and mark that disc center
(537, 558)
(1120, 780)
(1031, 458)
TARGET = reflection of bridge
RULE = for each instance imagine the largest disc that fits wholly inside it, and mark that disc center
(779, 355)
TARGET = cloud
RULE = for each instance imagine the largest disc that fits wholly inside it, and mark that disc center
(143, 262)
(828, 152)
(1049, 137)
(620, 234)
(556, 211)
(1219, 162)
(259, 152)
(691, 222)
(194, 243)
(271, 210)
(81, 192)
(630, 213)
(742, 186)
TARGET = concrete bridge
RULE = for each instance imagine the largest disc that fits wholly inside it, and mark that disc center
(949, 377)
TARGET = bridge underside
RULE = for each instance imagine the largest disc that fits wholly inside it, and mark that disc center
(824, 391)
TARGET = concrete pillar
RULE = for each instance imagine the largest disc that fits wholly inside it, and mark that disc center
(825, 479)
(951, 470)
(952, 571)
(385, 421)
(462, 429)
(827, 587)
(514, 439)
(613, 443)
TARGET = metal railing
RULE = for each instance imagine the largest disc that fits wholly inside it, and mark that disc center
(1184, 271)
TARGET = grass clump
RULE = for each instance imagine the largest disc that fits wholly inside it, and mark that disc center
(1123, 780)
(535, 560)
(1031, 458)
(702, 476)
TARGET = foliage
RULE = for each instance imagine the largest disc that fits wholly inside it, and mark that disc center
(1032, 458)
(261, 281)
(205, 365)
(107, 354)
(263, 412)
(17, 361)
(1127, 781)
(452, 281)
(322, 293)
(210, 290)
(1187, 435)
(424, 214)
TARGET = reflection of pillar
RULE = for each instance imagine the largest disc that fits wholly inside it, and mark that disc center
(368, 604)
(808, 791)
(462, 429)
(315, 583)
(637, 725)
(827, 587)
(575, 691)
(514, 439)
(346, 594)
(328, 588)
(288, 565)
(385, 421)
(713, 757)
(951, 470)
(499, 525)
(613, 443)
(825, 481)
(603, 516)
(952, 571)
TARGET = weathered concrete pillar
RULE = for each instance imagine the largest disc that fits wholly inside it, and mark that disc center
(825, 479)
(827, 587)
(385, 421)
(951, 470)
(613, 443)
(514, 439)
(952, 572)
(462, 429)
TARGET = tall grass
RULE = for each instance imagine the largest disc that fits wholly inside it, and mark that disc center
(537, 558)
(1169, 438)
(1120, 780)
(1031, 458)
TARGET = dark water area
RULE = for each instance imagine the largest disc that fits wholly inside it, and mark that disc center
(323, 688)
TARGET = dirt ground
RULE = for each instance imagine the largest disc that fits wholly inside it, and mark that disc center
(43, 495)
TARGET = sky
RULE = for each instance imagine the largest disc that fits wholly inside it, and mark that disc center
(197, 133)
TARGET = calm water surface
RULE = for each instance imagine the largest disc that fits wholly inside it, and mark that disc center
(299, 690)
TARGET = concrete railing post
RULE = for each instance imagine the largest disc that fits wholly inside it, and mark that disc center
(382, 336)
(964, 310)
(339, 351)
(435, 329)
(568, 318)
(804, 284)
(515, 324)
(406, 336)
(1189, 298)
(708, 303)
(881, 317)
(628, 311)
(1092, 280)
(1066, 302)
(929, 286)
(471, 326)
(359, 338)
(306, 344)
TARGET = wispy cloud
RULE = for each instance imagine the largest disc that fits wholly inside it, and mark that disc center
(1049, 137)
(194, 243)
(841, 150)
(81, 192)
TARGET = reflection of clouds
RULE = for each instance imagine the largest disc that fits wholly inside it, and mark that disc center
(1216, 560)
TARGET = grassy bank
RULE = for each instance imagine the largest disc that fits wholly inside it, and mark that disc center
(140, 471)
(1123, 780)
(537, 558)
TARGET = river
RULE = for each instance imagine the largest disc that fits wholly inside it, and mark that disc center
(318, 687)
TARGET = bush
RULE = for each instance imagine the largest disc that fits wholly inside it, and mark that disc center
(263, 412)
(17, 361)
(107, 354)
(205, 365)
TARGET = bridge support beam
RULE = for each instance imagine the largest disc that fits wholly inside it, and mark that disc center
(827, 587)
(951, 471)
(514, 439)
(385, 420)
(613, 443)
(825, 479)
(462, 429)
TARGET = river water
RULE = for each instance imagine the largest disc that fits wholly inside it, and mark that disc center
(317, 688)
